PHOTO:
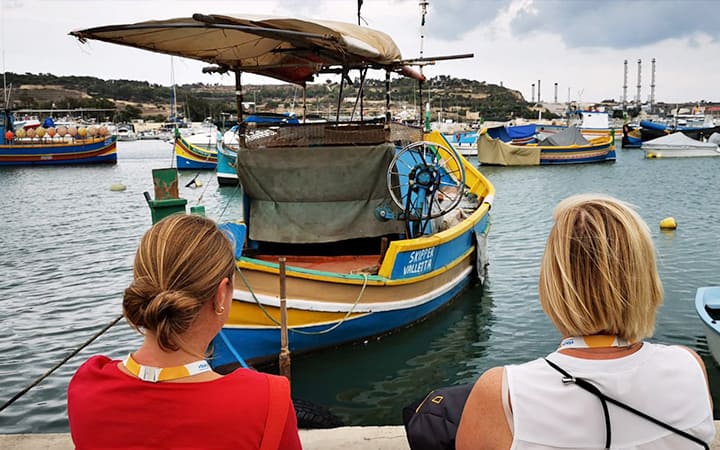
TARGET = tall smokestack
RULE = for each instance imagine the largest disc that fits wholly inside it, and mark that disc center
(625, 73)
(533, 93)
(538, 91)
(637, 97)
(652, 85)
(555, 93)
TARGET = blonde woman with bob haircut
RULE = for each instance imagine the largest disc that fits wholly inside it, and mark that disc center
(604, 387)
(165, 394)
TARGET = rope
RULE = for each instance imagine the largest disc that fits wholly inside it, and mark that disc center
(327, 330)
(199, 200)
(237, 187)
(57, 366)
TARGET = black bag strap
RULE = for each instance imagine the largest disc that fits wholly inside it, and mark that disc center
(588, 386)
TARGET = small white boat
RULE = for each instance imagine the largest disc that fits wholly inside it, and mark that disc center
(678, 145)
(707, 304)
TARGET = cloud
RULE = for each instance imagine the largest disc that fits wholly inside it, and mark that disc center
(620, 24)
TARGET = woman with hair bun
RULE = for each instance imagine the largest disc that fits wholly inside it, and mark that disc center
(165, 394)
(605, 387)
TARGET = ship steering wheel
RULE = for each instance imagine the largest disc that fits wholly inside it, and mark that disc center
(426, 180)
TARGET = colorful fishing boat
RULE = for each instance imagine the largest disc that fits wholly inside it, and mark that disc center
(631, 137)
(707, 305)
(358, 228)
(49, 146)
(189, 156)
(566, 147)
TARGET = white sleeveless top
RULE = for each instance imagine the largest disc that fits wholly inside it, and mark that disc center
(665, 382)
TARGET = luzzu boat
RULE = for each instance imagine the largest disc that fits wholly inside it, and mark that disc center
(707, 305)
(359, 228)
(51, 147)
(189, 156)
(566, 147)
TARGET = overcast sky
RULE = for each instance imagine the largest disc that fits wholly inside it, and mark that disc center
(579, 44)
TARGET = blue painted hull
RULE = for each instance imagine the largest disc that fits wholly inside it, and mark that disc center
(188, 164)
(263, 344)
(98, 152)
(226, 174)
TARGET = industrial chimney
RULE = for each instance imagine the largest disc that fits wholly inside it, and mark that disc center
(638, 99)
(625, 74)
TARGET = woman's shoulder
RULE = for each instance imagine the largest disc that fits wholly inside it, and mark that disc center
(94, 365)
(250, 377)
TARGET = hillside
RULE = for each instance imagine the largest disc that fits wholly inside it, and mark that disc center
(451, 98)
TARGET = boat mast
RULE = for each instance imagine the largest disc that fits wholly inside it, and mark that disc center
(423, 10)
(173, 104)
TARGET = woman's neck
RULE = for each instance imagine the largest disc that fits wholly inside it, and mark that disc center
(150, 354)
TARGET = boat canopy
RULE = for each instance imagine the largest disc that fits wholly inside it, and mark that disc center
(677, 141)
(569, 136)
(287, 49)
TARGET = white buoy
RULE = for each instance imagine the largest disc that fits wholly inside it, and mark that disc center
(117, 187)
(668, 223)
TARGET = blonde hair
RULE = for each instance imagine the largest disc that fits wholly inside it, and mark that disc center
(598, 273)
(179, 263)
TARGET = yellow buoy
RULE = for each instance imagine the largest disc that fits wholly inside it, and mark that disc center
(117, 187)
(668, 223)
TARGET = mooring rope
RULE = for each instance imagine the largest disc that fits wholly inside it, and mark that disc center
(57, 366)
(327, 330)
(227, 203)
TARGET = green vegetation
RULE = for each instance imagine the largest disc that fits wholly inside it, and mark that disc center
(449, 97)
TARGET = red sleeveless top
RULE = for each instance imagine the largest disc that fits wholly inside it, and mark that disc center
(108, 408)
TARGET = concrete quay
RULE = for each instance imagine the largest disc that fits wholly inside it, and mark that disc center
(345, 438)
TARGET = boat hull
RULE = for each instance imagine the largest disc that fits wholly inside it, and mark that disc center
(651, 153)
(193, 157)
(495, 152)
(309, 324)
(80, 151)
(707, 301)
(226, 173)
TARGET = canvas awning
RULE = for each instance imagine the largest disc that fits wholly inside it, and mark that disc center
(287, 49)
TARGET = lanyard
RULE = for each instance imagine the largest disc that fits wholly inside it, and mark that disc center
(155, 374)
(595, 341)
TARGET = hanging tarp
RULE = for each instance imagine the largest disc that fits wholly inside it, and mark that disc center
(508, 133)
(495, 152)
(569, 136)
(287, 49)
(316, 194)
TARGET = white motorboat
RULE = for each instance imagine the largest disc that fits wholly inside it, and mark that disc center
(678, 145)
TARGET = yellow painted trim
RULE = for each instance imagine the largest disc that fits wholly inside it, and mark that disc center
(248, 315)
(386, 281)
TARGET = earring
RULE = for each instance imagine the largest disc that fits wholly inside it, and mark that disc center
(222, 310)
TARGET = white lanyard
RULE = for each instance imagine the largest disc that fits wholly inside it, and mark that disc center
(155, 374)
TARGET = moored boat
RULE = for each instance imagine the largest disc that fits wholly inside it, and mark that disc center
(678, 145)
(566, 147)
(707, 305)
(189, 156)
(370, 226)
(51, 146)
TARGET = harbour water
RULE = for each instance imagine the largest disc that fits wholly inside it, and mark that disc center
(68, 243)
